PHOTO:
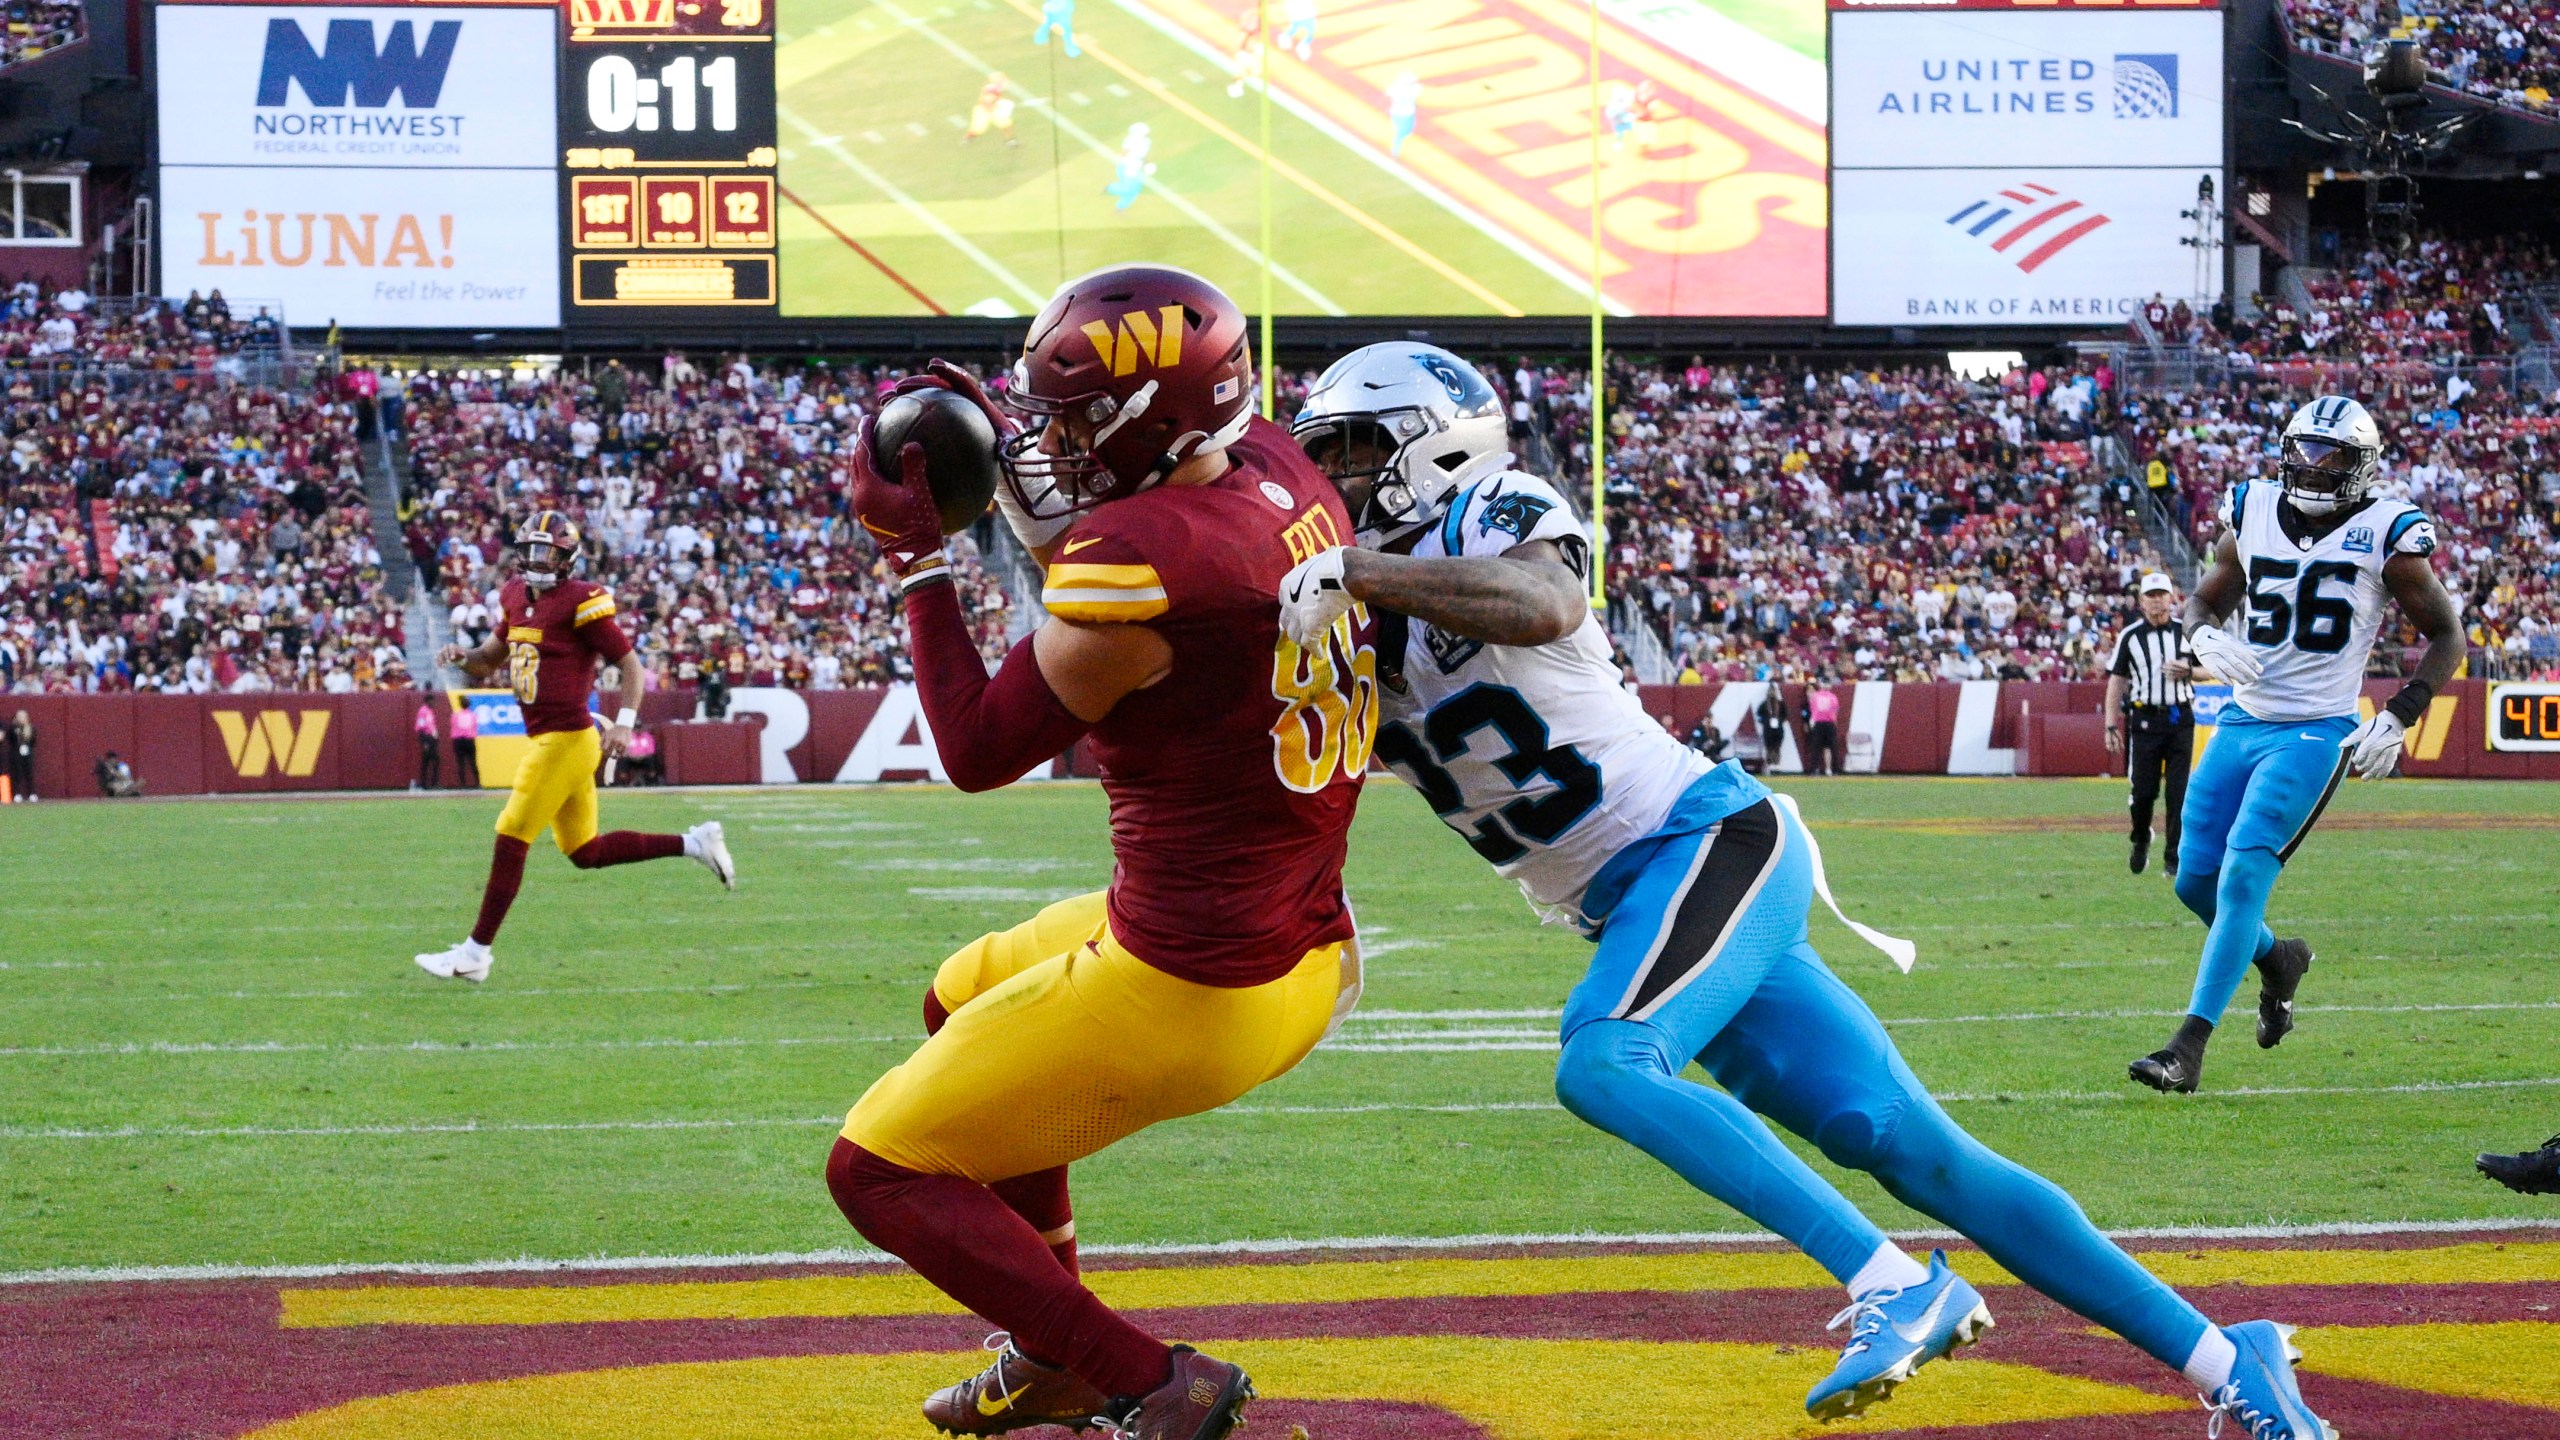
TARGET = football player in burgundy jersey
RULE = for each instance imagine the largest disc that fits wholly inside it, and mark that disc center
(1231, 756)
(553, 628)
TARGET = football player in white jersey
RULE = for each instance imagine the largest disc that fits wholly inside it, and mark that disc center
(2311, 560)
(1499, 705)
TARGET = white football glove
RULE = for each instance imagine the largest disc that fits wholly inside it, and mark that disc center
(1312, 596)
(2373, 748)
(2217, 651)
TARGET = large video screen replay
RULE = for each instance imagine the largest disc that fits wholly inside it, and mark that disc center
(1430, 157)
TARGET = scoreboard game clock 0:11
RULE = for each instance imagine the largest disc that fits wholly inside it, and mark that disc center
(667, 123)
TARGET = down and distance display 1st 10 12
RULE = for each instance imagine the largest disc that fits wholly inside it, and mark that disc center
(667, 119)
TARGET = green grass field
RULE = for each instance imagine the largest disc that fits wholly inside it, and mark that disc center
(214, 1049)
(995, 227)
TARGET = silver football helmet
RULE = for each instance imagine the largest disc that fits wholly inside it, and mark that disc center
(2330, 456)
(1412, 422)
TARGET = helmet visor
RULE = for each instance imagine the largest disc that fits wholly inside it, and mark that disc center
(1348, 447)
(2319, 467)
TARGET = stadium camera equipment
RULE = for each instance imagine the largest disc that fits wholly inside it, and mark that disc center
(2395, 78)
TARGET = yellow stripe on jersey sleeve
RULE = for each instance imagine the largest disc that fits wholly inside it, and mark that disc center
(526, 634)
(598, 606)
(1104, 593)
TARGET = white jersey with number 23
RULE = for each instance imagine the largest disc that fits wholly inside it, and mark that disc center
(1537, 755)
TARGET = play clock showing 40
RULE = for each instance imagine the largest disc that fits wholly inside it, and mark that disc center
(667, 123)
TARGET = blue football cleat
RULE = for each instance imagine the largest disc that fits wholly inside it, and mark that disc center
(2261, 1394)
(1894, 1332)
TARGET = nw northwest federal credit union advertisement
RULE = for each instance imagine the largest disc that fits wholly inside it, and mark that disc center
(371, 165)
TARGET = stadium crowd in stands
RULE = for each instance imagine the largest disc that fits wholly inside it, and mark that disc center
(165, 526)
(1884, 520)
(36, 26)
(714, 503)
(2440, 302)
(2505, 50)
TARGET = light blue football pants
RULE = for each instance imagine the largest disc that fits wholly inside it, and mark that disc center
(1705, 954)
(2253, 798)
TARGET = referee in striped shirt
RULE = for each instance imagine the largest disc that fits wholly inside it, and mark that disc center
(2151, 713)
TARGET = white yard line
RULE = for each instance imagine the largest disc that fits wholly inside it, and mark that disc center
(1339, 1244)
(1359, 1038)
(1480, 1107)
(709, 988)
(439, 1047)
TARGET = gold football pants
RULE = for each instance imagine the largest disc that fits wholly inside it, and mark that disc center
(555, 786)
(1061, 1042)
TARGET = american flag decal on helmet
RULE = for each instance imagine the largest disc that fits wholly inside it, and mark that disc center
(2024, 214)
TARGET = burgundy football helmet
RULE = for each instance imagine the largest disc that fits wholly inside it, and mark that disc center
(1146, 364)
(547, 549)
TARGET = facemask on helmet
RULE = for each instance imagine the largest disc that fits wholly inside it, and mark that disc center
(2322, 476)
(1407, 423)
(2330, 456)
(547, 549)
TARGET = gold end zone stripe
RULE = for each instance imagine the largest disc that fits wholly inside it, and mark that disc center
(526, 634)
(846, 1296)
(1104, 592)
(594, 608)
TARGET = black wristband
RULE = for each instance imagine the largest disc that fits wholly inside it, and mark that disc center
(2411, 702)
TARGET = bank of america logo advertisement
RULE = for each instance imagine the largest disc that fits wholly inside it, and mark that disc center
(2007, 247)
(2028, 223)
(2146, 87)
(374, 86)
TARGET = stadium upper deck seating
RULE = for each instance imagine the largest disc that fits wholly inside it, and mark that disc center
(2498, 49)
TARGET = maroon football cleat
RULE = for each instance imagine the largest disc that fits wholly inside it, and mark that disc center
(1204, 1400)
(1014, 1393)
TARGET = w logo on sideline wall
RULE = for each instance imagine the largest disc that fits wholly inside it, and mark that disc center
(1156, 339)
(348, 67)
(270, 737)
(2027, 212)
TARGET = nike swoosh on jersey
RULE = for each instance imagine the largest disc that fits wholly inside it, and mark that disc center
(1918, 1331)
(1073, 546)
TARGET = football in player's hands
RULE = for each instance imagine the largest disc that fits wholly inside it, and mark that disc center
(1313, 596)
(959, 450)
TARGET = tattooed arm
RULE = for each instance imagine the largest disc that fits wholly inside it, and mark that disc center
(1528, 595)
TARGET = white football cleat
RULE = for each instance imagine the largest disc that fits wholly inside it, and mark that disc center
(704, 842)
(469, 960)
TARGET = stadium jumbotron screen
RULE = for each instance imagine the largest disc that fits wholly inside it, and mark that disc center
(1431, 157)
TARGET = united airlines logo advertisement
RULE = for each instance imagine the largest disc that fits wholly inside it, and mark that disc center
(2035, 88)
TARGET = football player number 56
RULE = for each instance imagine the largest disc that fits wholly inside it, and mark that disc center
(524, 671)
(1330, 717)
